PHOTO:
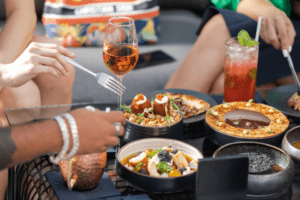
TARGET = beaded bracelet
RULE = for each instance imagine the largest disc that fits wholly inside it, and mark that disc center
(65, 135)
(75, 136)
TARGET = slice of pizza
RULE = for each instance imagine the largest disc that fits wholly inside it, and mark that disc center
(189, 105)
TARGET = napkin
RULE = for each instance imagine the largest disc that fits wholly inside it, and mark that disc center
(105, 189)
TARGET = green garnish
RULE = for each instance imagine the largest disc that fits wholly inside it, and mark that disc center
(174, 105)
(164, 167)
(154, 152)
(252, 73)
(137, 166)
(141, 116)
(167, 118)
(211, 111)
(245, 39)
(126, 108)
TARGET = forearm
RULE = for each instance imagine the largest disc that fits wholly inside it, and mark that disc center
(16, 34)
(256, 8)
(25, 142)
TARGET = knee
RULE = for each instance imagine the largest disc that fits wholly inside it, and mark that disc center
(27, 95)
(217, 25)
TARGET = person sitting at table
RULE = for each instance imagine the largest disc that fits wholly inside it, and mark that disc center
(97, 130)
(33, 70)
(203, 68)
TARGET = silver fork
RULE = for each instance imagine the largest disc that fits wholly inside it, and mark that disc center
(103, 79)
(289, 59)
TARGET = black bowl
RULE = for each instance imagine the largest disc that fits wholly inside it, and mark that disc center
(263, 186)
(134, 131)
(220, 138)
(154, 184)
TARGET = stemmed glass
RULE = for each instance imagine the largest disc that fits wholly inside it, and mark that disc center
(120, 48)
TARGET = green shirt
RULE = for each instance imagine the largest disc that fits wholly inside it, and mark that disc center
(284, 5)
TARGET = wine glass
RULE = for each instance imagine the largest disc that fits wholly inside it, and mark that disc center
(120, 48)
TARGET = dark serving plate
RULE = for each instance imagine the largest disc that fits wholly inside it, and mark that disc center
(263, 186)
(202, 96)
(278, 98)
(156, 184)
(219, 138)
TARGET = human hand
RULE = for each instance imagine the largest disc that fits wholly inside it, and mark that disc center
(96, 129)
(37, 58)
(278, 30)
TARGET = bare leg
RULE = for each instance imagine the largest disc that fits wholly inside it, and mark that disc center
(205, 61)
(27, 95)
(42, 90)
(218, 85)
(54, 91)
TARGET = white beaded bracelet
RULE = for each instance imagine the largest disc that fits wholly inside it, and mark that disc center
(75, 136)
(65, 135)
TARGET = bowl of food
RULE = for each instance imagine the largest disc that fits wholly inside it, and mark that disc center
(157, 118)
(271, 170)
(245, 121)
(291, 143)
(158, 164)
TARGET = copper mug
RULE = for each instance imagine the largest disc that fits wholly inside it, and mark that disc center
(83, 172)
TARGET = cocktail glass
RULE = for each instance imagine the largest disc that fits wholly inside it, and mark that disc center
(240, 71)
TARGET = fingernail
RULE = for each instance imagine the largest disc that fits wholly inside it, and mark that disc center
(73, 54)
(290, 49)
(285, 53)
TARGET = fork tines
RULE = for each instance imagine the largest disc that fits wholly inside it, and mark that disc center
(114, 86)
(110, 83)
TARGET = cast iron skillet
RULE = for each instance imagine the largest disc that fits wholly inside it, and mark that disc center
(220, 138)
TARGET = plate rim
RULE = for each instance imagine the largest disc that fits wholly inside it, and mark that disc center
(272, 91)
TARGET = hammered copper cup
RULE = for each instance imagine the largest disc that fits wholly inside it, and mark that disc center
(83, 172)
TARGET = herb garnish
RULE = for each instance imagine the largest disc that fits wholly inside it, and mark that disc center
(164, 167)
(174, 105)
(126, 108)
(137, 166)
(167, 118)
(245, 39)
(154, 152)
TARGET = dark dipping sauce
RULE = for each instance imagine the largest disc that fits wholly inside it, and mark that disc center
(260, 163)
(247, 123)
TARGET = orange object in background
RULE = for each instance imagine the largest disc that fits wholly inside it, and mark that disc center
(240, 71)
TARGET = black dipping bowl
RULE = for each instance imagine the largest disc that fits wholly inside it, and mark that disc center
(154, 184)
(220, 138)
(135, 131)
(293, 135)
(263, 186)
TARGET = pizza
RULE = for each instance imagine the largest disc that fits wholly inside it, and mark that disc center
(189, 105)
(216, 119)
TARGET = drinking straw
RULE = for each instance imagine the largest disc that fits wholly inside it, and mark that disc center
(258, 28)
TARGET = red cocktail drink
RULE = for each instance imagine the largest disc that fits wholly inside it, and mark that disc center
(240, 71)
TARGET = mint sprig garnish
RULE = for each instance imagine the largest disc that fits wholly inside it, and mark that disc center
(245, 39)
